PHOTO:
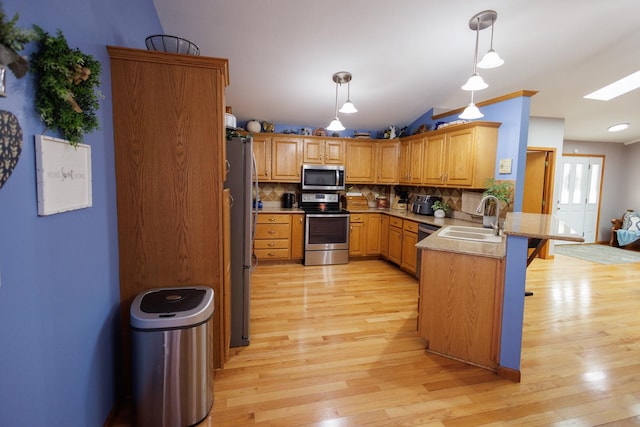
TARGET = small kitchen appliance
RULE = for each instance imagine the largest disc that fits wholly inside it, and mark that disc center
(422, 204)
(322, 178)
(288, 199)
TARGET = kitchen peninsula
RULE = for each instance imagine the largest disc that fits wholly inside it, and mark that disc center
(467, 293)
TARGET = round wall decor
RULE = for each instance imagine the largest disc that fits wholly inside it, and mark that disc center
(10, 144)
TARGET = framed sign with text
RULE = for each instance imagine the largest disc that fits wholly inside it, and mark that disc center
(63, 175)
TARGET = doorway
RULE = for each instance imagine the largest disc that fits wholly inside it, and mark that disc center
(579, 194)
(538, 184)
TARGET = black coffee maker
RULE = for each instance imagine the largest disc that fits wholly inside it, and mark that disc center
(288, 199)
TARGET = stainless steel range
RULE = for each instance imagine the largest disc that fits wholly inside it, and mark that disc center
(326, 231)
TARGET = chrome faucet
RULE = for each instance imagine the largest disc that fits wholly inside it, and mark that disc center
(479, 209)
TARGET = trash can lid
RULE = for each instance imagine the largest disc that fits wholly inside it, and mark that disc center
(170, 308)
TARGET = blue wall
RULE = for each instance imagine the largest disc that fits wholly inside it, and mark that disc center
(59, 292)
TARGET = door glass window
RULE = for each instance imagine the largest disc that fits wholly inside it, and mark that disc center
(564, 193)
(577, 188)
(594, 181)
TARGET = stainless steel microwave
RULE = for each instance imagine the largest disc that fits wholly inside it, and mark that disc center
(323, 177)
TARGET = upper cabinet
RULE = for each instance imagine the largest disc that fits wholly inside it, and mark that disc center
(262, 153)
(456, 156)
(360, 164)
(388, 161)
(461, 156)
(323, 151)
(286, 159)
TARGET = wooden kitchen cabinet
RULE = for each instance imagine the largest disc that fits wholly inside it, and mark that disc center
(461, 156)
(357, 235)
(297, 236)
(395, 240)
(404, 162)
(384, 236)
(286, 158)
(460, 306)
(373, 223)
(323, 151)
(360, 161)
(273, 236)
(170, 168)
(262, 153)
(409, 250)
(364, 234)
(387, 166)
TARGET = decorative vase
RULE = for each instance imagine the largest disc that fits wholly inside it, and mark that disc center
(254, 126)
(439, 213)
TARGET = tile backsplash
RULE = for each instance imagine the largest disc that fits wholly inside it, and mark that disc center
(271, 192)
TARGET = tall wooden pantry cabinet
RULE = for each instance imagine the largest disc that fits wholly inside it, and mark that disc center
(169, 135)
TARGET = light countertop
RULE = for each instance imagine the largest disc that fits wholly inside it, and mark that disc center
(539, 226)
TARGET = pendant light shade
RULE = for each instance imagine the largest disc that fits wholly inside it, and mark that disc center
(475, 82)
(491, 59)
(335, 125)
(348, 106)
(471, 112)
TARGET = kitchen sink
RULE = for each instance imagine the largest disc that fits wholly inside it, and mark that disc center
(476, 234)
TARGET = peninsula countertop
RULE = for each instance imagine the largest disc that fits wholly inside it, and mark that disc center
(539, 226)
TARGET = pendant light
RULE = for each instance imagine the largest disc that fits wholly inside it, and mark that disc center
(491, 59)
(478, 22)
(471, 112)
(335, 124)
(345, 77)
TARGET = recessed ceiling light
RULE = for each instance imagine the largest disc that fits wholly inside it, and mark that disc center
(618, 127)
(617, 88)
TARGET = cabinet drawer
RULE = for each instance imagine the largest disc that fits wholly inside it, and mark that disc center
(271, 244)
(395, 222)
(356, 218)
(410, 226)
(272, 253)
(274, 219)
(273, 231)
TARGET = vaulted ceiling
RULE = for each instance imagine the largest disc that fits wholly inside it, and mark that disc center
(409, 56)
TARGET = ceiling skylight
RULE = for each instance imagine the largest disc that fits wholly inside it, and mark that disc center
(617, 88)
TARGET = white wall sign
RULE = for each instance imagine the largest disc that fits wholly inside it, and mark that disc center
(63, 175)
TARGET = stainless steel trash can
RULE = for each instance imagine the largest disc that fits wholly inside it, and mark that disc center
(172, 356)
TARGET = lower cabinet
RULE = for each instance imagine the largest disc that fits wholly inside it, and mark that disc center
(297, 236)
(279, 236)
(364, 234)
(395, 240)
(460, 306)
(273, 236)
(384, 236)
(401, 243)
(409, 250)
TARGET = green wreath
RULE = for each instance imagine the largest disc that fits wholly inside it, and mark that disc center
(67, 86)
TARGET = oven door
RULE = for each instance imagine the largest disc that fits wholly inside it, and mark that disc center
(324, 232)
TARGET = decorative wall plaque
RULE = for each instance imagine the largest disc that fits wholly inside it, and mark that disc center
(10, 144)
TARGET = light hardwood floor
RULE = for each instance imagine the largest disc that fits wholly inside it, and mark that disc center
(337, 346)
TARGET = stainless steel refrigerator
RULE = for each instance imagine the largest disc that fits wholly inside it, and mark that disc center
(242, 180)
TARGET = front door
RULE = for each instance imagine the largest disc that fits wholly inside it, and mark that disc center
(579, 195)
